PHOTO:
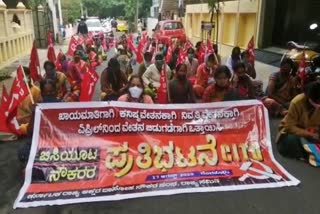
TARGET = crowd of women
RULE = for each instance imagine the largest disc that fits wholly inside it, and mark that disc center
(198, 78)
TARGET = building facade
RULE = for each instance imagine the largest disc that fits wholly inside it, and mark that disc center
(236, 23)
(16, 34)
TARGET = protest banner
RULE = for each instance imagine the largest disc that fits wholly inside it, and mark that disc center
(104, 151)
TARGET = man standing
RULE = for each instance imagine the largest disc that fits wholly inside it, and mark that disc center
(82, 27)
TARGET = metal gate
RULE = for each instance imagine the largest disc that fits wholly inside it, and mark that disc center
(43, 24)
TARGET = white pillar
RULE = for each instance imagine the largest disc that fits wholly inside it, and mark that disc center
(54, 17)
(60, 12)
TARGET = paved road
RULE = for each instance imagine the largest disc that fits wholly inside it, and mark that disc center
(294, 200)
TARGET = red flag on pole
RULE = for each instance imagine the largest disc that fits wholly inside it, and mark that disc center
(182, 57)
(250, 49)
(88, 84)
(80, 40)
(169, 54)
(72, 46)
(5, 101)
(302, 69)
(34, 64)
(162, 92)
(51, 54)
(19, 91)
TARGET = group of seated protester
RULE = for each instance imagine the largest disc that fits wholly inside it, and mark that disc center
(198, 79)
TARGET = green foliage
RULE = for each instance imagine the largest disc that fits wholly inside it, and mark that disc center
(71, 10)
(116, 8)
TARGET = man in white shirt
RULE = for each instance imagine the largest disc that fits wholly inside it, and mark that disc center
(151, 78)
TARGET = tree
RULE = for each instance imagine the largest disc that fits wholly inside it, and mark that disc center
(71, 10)
(125, 8)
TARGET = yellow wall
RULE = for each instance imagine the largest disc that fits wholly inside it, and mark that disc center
(238, 22)
(15, 42)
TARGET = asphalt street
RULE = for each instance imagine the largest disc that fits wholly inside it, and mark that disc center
(293, 200)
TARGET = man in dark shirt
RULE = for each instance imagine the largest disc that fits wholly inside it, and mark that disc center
(82, 27)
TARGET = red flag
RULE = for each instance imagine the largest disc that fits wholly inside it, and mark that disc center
(34, 64)
(51, 54)
(169, 54)
(140, 48)
(250, 49)
(88, 84)
(19, 91)
(130, 44)
(4, 100)
(182, 57)
(80, 40)
(162, 93)
(302, 69)
(72, 46)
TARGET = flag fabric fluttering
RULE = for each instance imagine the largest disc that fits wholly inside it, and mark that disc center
(88, 84)
(72, 46)
(34, 64)
(51, 53)
(162, 93)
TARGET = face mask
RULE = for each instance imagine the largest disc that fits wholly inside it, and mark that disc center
(190, 56)
(49, 99)
(135, 92)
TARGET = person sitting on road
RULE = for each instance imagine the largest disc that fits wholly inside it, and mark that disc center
(76, 70)
(151, 78)
(134, 92)
(123, 58)
(221, 89)
(48, 95)
(242, 83)
(58, 77)
(301, 124)
(180, 88)
(282, 88)
(234, 59)
(251, 71)
(192, 65)
(205, 74)
(24, 110)
(147, 56)
(113, 81)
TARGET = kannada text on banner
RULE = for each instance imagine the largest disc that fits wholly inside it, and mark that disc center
(113, 151)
